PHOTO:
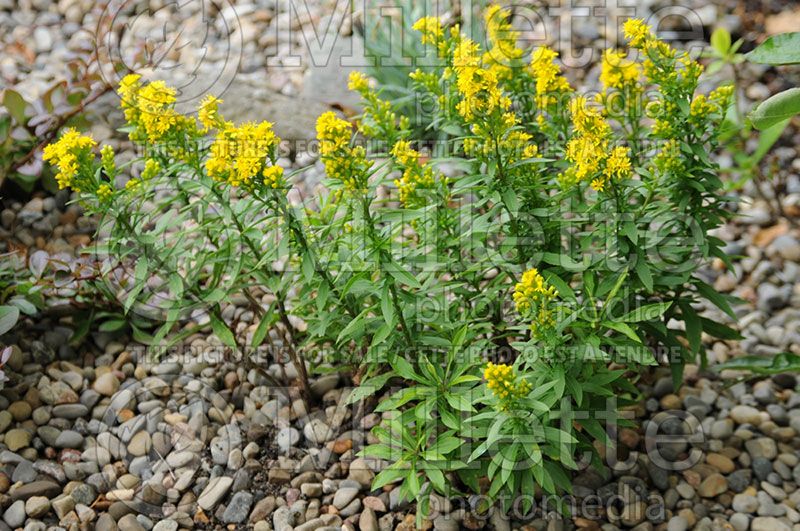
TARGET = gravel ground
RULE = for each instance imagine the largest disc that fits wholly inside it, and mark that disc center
(102, 436)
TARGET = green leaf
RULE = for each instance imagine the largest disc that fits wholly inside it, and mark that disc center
(694, 327)
(766, 140)
(222, 331)
(783, 49)
(713, 296)
(648, 312)
(623, 328)
(775, 109)
(261, 332)
(113, 325)
(721, 40)
(15, 104)
(719, 330)
(403, 276)
(780, 363)
(643, 272)
(8, 318)
(387, 308)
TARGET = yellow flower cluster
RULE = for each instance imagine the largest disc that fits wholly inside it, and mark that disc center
(669, 159)
(150, 108)
(533, 297)
(477, 83)
(503, 39)
(72, 154)
(662, 65)
(637, 32)
(239, 154)
(107, 161)
(342, 162)
(378, 119)
(532, 290)
(151, 169)
(273, 177)
(504, 384)
(104, 192)
(208, 114)
(431, 30)
(550, 83)
(357, 81)
(618, 72)
(588, 149)
(415, 175)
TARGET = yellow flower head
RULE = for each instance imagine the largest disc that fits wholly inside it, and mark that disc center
(208, 113)
(107, 161)
(343, 162)
(104, 192)
(617, 71)
(637, 32)
(502, 36)
(547, 74)
(239, 154)
(431, 29)
(156, 107)
(532, 291)
(151, 169)
(128, 92)
(503, 383)
(72, 154)
(587, 120)
(357, 81)
(618, 164)
(404, 154)
(273, 177)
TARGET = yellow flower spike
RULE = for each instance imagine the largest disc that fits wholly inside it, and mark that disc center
(547, 74)
(128, 92)
(532, 289)
(637, 32)
(403, 154)
(618, 164)
(273, 177)
(208, 113)
(502, 381)
(239, 154)
(357, 81)
(503, 39)
(104, 192)
(343, 162)
(156, 109)
(71, 153)
(151, 169)
(617, 71)
(431, 29)
(107, 160)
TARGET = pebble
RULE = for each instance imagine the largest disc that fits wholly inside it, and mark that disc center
(216, 489)
(768, 523)
(343, 497)
(746, 415)
(239, 507)
(37, 506)
(106, 384)
(17, 439)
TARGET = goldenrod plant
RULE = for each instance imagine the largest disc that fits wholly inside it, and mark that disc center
(515, 292)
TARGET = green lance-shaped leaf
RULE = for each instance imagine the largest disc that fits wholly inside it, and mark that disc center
(776, 109)
(783, 49)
